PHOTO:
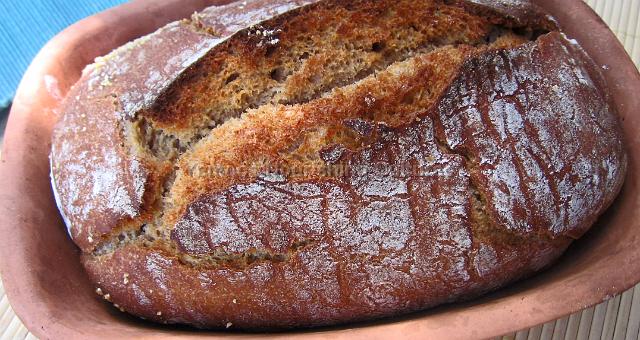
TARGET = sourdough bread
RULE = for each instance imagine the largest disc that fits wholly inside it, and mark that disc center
(276, 164)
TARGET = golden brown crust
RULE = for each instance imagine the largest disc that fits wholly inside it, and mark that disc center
(392, 96)
(443, 158)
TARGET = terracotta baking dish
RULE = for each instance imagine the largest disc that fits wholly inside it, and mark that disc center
(52, 296)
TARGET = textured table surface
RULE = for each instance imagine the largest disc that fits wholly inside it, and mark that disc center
(617, 318)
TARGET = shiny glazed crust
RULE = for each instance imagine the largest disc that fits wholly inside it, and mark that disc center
(237, 170)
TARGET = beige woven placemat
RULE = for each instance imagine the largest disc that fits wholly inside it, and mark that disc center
(618, 318)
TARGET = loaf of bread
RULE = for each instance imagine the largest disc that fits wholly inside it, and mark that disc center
(272, 164)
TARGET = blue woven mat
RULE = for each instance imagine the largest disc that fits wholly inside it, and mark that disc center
(26, 25)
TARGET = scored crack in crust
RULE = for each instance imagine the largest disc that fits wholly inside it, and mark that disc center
(273, 164)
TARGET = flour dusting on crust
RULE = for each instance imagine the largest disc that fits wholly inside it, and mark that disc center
(538, 128)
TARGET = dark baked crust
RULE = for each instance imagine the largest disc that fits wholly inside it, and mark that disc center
(514, 13)
(541, 136)
(515, 154)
